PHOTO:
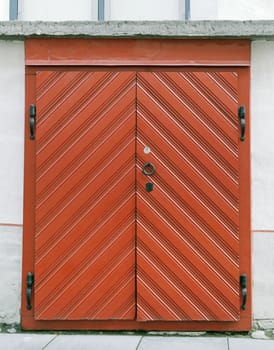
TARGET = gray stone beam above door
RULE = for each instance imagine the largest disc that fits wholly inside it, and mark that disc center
(141, 29)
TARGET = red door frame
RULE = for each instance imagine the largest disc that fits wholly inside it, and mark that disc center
(121, 54)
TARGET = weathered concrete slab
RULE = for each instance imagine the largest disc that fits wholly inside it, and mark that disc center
(98, 342)
(250, 344)
(181, 343)
(25, 341)
(157, 29)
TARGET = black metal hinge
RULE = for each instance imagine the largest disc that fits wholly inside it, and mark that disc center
(29, 289)
(243, 285)
(32, 121)
(241, 115)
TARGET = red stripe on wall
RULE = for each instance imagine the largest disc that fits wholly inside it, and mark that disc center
(11, 225)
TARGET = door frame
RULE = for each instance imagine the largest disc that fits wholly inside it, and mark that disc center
(137, 55)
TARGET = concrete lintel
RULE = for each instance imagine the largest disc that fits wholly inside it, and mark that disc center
(144, 29)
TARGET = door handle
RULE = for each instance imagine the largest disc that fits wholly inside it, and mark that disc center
(29, 289)
(32, 115)
(241, 115)
(148, 169)
(243, 285)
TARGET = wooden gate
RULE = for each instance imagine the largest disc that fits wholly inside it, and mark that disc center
(136, 199)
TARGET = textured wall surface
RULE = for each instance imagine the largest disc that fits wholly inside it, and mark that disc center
(10, 270)
(263, 277)
(61, 10)
(262, 126)
(231, 9)
(140, 29)
(262, 161)
(52, 10)
(12, 77)
(244, 9)
(4, 10)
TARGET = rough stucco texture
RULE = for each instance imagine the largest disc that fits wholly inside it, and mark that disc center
(262, 131)
(10, 270)
(12, 77)
(263, 277)
(137, 29)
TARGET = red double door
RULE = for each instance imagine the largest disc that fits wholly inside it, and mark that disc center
(139, 203)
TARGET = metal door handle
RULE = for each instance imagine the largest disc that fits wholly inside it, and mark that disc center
(241, 115)
(29, 289)
(32, 115)
(148, 169)
(243, 285)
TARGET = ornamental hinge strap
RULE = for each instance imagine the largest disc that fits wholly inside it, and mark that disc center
(29, 289)
(32, 121)
(241, 115)
(243, 286)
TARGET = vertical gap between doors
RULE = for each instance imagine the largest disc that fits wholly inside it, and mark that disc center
(136, 168)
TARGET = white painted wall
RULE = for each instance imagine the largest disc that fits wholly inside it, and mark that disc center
(12, 77)
(10, 271)
(12, 85)
(231, 9)
(57, 10)
(62, 10)
(245, 9)
(263, 276)
(262, 162)
(262, 145)
(144, 10)
(203, 9)
(4, 10)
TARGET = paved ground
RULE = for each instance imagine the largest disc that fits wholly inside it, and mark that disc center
(27, 341)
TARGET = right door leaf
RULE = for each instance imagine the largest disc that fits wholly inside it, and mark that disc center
(188, 226)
